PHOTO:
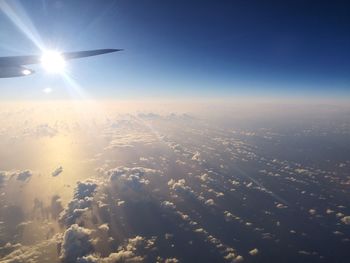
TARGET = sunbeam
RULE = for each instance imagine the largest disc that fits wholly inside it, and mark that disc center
(18, 16)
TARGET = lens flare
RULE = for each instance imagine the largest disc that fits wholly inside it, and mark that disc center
(26, 72)
(47, 90)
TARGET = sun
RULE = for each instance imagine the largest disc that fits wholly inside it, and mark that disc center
(53, 62)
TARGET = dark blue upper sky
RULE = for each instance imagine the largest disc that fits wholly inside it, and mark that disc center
(190, 48)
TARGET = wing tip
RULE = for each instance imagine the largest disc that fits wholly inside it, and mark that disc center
(114, 50)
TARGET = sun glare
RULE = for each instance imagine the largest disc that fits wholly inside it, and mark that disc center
(53, 62)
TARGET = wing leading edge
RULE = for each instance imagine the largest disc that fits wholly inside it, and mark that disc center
(29, 60)
(15, 66)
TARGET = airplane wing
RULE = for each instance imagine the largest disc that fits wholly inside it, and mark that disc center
(15, 66)
(28, 60)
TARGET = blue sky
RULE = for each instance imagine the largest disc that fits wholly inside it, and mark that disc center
(186, 48)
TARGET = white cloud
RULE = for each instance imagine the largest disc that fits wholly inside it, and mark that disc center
(130, 138)
(123, 256)
(36, 253)
(346, 220)
(312, 211)
(329, 211)
(209, 202)
(179, 186)
(204, 177)
(104, 227)
(171, 260)
(281, 206)
(131, 252)
(228, 216)
(238, 259)
(76, 243)
(120, 202)
(230, 256)
(80, 203)
(22, 176)
(254, 252)
(196, 156)
(168, 204)
(131, 178)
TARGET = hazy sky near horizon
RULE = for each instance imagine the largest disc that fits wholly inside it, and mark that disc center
(182, 48)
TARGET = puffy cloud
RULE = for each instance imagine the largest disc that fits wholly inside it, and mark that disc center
(120, 202)
(123, 256)
(238, 259)
(91, 204)
(134, 178)
(8, 248)
(130, 139)
(230, 256)
(329, 211)
(254, 252)
(196, 156)
(168, 204)
(199, 230)
(339, 214)
(228, 216)
(133, 251)
(139, 243)
(39, 252)
(80, 203)
(76, 243)
(281, 206)
(85, 189)
(100, 208)
(312, 211)
(179, 186)
(233, 182)
(204, 177)
(217, 194)
(23, 175)
(57, 171)
(346, 220)
(302, 171)
(209, 202)
(171, 260)
(89, 259)
(104, 227)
